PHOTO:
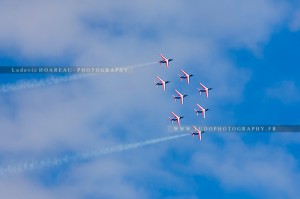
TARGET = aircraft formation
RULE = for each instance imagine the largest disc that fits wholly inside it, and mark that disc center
(180, 96)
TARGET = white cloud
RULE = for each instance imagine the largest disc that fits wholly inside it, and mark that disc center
(40, 29)
(82, 114)
(262, 170)
(21, 187)
(104, 178)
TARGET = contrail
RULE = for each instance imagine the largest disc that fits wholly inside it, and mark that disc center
(51, 162)
(38, 83)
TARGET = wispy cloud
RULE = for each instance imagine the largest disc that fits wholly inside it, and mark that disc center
(285, 91)
(261, 170)
(295, 23)
(50, 162)
(55, 119)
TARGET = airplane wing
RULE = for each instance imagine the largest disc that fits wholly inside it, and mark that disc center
(199, 106)
(174, 115)
(163, 57)
(160, 79)
(184, 72)
(177, 92)
(178, 121)
(164, 85)
(195, 128)
(204, 87)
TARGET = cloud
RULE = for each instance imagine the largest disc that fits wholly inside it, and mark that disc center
(285, 91)
(103, 178)
(262, 170)
(25, 188)
(106, 110)
(35, 31)
(77, 157)
(39, 29)
(295, 23)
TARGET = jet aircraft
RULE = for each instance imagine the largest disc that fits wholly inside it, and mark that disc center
(176, 118)
(165, 60)
(201, 110)
(197, 132)
(179, 96)
(185, 76)
(205, 89)
(161, 83)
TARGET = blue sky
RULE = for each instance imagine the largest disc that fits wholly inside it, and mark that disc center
(246, 50)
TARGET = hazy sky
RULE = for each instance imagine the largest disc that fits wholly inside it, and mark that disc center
(247, 50)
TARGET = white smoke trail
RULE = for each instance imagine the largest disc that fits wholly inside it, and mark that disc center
(141, 65)
(38, 83)
(35, 83)
(51, 162)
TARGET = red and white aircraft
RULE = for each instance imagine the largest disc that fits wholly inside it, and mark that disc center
(165, 60)
(197, 132)
(185, 76)
(202, 110)
(179, 96)
(205, 89)
(176, 118)
(161, 83)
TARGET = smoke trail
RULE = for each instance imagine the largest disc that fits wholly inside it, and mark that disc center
(51, 162)
(35, 83)
(141, 65)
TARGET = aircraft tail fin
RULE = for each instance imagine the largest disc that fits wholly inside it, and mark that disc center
(180, 77)
(174, 97)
